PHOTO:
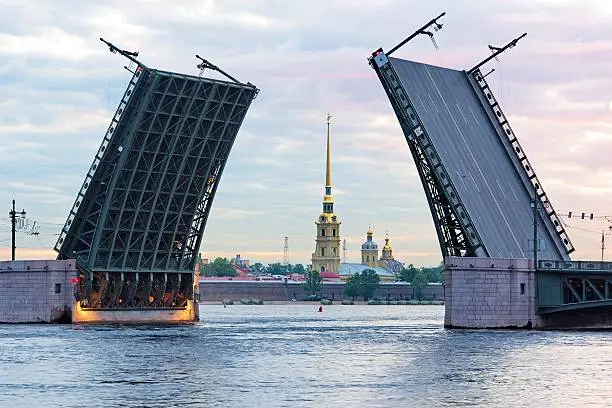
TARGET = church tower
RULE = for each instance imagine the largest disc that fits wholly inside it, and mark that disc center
(387, 252)
(369, 251)
(327, 249)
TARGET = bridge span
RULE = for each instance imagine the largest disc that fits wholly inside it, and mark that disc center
(492, 217)
(137, 222)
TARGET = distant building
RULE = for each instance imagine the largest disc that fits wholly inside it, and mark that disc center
(369, 250)
(203, 261)
(387, 261)
(326, 256)
(243, 263)
(386, 266)
(349, 269)
(327, 276)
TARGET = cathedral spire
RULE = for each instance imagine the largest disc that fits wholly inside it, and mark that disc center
(328, 167)
(328, 201)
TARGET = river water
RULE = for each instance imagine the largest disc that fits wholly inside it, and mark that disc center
(293, 356)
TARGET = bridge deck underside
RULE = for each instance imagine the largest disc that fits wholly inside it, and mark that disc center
(137, 224)
(144, 203)
(480, 166)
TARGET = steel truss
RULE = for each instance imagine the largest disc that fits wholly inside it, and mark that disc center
(580, 289)
(136, 226)
(456, 233)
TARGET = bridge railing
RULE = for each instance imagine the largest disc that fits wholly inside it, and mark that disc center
(577, 266)
(522, 158)
(99, 155)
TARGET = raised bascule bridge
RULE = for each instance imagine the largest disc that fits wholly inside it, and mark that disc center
(506, 250)
(137, 223)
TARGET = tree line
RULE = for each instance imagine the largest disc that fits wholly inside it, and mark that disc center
(364, 284)
(223, 267)
(357, 285)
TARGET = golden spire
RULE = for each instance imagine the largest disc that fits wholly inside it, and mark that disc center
(387, 245)
(328, 167)
(328, 201)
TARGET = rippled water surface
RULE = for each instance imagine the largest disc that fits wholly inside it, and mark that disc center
(292, 356)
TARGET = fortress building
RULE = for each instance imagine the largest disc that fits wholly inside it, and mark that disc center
(326, 257)
(387, 267)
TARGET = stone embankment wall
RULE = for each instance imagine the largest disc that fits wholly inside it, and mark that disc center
(36, 291)
(277, 291)
(490, 293)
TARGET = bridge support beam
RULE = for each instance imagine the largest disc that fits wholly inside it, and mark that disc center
(486, 293)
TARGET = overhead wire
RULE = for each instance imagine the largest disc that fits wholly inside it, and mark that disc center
(584, 229)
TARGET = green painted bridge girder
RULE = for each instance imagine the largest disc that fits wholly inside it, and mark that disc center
(571, 289)
(600, 304)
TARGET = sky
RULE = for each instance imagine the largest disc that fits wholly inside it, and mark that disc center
(59, 87)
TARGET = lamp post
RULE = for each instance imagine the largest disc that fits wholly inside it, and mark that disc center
(13, 216)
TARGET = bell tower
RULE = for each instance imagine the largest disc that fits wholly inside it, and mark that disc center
(369, 250)
(326, 256)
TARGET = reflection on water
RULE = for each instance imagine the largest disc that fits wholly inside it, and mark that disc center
(292, 356)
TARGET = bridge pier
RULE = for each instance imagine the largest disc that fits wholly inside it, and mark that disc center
(496, 293)
(487, 293)
(36, 291)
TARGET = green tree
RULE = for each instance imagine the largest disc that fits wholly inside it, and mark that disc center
(368, 283)
(218, 267)
(298, 268)
(434, 274)
(406, 274)
(257, 267)
(419, 281)
(312, 282)
(351, 288)
(276, 269)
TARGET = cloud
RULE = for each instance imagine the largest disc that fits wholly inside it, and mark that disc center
(60, 86)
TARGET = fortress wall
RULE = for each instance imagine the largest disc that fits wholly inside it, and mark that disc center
(279, 291)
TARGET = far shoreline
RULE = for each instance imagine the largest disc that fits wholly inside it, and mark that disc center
(301, 302)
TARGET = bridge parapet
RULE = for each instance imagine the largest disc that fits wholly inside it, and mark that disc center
(575, 266)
